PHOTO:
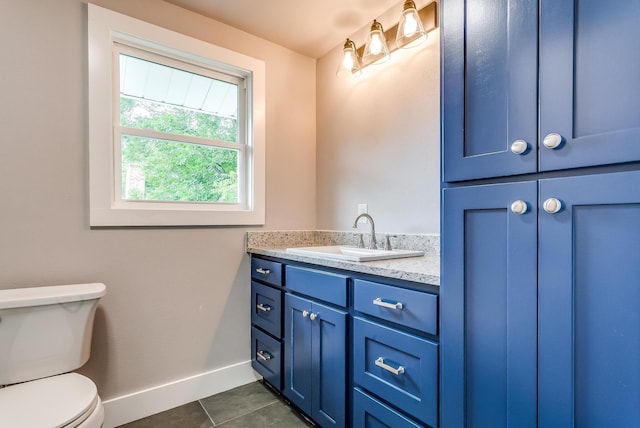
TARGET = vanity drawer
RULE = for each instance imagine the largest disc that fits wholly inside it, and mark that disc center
(371, 413)
(266, 308)
(325, 286)
(266, 357)
(409, 308)
(398, 366)
(266, 271)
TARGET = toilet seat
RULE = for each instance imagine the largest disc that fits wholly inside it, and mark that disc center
(63, 401)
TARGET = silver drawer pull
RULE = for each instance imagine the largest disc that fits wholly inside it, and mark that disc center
(263, 308)
(379, 302)
(263, 271)
(263, 355)
(396, 371)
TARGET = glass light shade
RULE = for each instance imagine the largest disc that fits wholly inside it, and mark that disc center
(349, 65)
(410, 29)
(376, 49)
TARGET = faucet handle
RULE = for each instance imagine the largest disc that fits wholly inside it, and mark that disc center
(387, 242)
(361, 242)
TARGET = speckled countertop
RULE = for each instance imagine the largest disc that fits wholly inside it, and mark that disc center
(425, 269)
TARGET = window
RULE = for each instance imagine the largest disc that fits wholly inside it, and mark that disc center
(176, 128)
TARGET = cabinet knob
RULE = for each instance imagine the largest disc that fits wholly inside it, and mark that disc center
(519, 207)
(552, 141)
(305, 314)
(313, 316)
(552, 205)
(519, 147)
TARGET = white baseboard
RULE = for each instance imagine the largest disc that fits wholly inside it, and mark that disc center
(130, 407)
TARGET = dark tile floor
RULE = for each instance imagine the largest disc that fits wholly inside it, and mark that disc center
(250, 406)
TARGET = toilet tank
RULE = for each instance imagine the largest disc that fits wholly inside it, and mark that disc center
(46, 331)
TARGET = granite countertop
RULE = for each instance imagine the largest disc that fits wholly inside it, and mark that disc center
(425, 269)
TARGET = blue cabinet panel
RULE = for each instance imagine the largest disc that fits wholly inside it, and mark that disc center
(589, 68)
(371, 413)
(488, 307)
(266, 304)
(298, 364)
(315, 361)
(589, 322)
(266, 357)
(329, 330)
(409, 308)
(325, 286)
(398, 366)
(489, 87)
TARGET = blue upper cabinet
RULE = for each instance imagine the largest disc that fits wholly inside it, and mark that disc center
(489, 88)
(488, 306)
(589, 295)
(583, 86)
(589, 68)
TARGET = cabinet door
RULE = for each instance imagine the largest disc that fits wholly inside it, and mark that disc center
(298, 363)
(329, 360)
(315, 360)
(589, 90)
(488, 304)
(489, 87)
(589, 300)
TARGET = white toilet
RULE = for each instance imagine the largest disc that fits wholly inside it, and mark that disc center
(45, 333)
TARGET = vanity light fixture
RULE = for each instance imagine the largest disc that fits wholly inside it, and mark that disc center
(409, 32)
(376, 50)
(410, 29)
(350, 64)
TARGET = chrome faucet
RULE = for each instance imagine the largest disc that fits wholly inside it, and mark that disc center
(372, 242)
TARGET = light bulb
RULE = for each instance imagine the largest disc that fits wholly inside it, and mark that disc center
(376, 44)
(410, 26)
(347, 62)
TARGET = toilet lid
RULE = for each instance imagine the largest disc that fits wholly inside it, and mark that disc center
(54, 402)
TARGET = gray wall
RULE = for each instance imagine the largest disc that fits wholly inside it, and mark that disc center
(378, 139)
(177, 298)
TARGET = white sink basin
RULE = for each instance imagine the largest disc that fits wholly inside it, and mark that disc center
(353, 254)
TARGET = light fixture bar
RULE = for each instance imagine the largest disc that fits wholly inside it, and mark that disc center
(428, 16)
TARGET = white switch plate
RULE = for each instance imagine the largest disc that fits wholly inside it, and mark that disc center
(363, 209)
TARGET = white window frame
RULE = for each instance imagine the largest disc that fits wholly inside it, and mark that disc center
(108, 31)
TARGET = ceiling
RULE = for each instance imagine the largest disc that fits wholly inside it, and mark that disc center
(309, 27)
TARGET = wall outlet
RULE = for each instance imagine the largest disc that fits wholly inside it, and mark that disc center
(363, 209)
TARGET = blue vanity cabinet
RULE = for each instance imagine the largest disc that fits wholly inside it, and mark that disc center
(574, 62)
(357, 350)
(488, 306)
(266, 320)
(315, 347)
(589, 300)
